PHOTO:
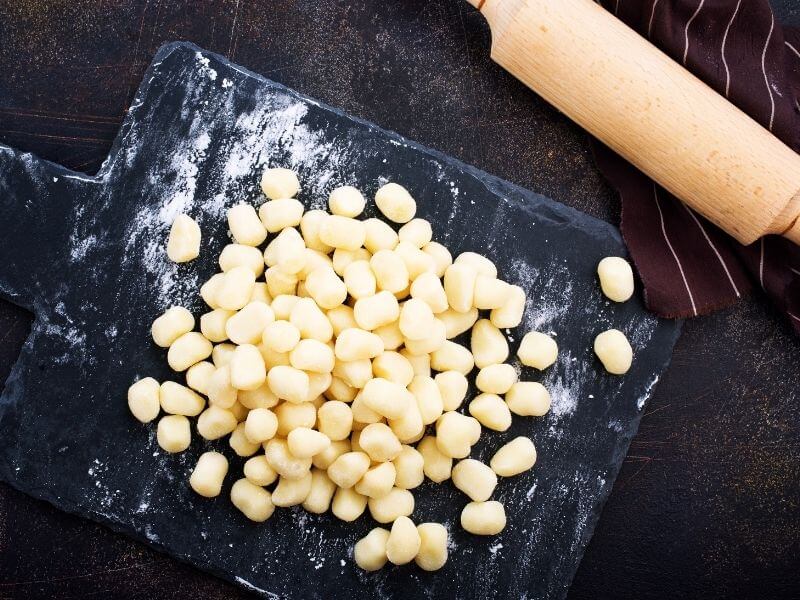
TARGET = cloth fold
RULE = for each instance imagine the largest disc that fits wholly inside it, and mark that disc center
(689, 266)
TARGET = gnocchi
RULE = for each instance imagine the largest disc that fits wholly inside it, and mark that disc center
(327, 358)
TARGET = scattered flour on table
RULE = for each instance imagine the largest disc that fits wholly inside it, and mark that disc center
(246, 584)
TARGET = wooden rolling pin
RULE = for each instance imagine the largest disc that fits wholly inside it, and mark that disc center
(652, 111)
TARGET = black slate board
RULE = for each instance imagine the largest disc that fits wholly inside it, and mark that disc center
(86, 255)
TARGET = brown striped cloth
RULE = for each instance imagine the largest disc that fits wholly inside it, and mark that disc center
(688, 266)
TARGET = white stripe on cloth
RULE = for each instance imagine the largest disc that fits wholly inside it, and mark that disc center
(686, 31)
(764, 71)
(652, 15)
(671, 249)
(795, 271)
(794, 316)
(724, 41)
(792, 48)
(761, 266)
(714, 248)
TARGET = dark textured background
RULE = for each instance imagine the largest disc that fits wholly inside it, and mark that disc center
(708, 501)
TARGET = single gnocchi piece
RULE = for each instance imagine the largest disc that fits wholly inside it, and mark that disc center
(616, 278)
(394, 367)
(360, 280)
(489, 345)
(378, 481)
(177, 399)
(496, 379)
(453, 388)
(441, 257)
(428, 397)
(387, 398)
(528, 399)
(537, 350)
(391, 273)
(171, 325)
(280, 213)
(292, 415)
(184, 239)
(459, 285)
(291, 492)
(417, 232)
(239, 442)
(510, 314)
(346, 470)
(280, 336)
(416, 319)
(326, 288)
(173, 433)
(452, 357)
(321, 493)
(388, 508)
(428, 288)
(490, 293)
(404, 542)
(279, 183)
(215, 422)
(396, 204)
(475, 479)
(480, 264)
(379, 442)
(248, 371)
(245, 225)
(255, 502)
(208, 474)
(220, 390)
(346, 201)
(198, 376)
(491, 411)
(342, 232)
(335, 420)
(375, 311)
(288, 383)
(261, 425)
(312, 356)
(437, 466)
(484, 518)
(456, 323)
(144, 399)
(187, 350)
(258, 471)
(456, 434)
(212, 324)
(432, 554)
(305, 442)
(409, 468)
(614, 351)
(239, 255)
(235, 288)
(284, 462)
(516, 457)
(309, 226)
(370, 551)
(348, 504)
(247, 326)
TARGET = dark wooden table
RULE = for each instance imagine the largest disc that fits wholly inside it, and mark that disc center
(708, 501)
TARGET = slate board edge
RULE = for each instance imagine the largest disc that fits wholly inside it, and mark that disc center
(561, 213)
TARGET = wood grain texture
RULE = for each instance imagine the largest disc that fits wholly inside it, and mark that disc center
(706, 504)
(651, 111)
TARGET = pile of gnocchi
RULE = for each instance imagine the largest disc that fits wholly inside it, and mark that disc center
(328, 360)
